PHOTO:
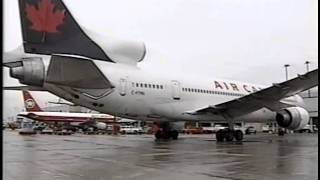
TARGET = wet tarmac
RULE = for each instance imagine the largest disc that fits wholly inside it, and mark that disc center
(140, 157)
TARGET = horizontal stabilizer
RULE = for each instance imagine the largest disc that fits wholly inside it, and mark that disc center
(23, 88)
(69, 71)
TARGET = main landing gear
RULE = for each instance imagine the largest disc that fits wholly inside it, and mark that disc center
(166, 132)
(228, 135)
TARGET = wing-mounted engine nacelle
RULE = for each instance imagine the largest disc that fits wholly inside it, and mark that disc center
(29, 71)
(101, 125)
(293, 118)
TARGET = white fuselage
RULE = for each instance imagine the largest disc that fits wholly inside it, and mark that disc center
(141, 95)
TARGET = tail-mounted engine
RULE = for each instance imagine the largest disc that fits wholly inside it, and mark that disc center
(100, 125)
(29, 71)
(293, 118)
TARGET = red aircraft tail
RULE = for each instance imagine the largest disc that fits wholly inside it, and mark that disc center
(29, 102)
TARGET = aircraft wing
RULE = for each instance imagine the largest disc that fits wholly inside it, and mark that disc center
(271, 98)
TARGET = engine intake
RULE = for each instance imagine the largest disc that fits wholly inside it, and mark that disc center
(101, 125)
(293, 118)
(31, 71)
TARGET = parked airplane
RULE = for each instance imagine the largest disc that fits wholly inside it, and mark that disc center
(102, 74)
(34, 112)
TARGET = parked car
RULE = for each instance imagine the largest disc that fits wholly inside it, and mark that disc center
(47, 130)
(218, 127)
(63, 132)
(208, 130)
(130, 130)
(250, 130)
(89, 131)
(39, 127)
(192, 130)
(267, 129)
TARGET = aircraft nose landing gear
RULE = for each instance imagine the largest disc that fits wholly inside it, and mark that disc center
(228, 135)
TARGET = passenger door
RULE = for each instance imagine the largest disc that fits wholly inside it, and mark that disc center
(175, 90)
(123, 87)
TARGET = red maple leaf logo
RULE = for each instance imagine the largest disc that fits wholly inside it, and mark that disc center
(43, 18)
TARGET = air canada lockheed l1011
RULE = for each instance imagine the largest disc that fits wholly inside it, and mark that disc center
(62, 57)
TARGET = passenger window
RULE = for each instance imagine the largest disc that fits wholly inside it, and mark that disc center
(153, 86)
(149, 85)
(158, 87)
(145, 85)
(141, 85)
(161, 86)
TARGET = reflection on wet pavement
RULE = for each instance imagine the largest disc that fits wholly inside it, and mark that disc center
(261, 156)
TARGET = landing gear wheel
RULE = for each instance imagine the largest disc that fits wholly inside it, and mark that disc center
(220, 135)
(238, 134)
(229, 135)
(174, 134)
(281, 132)
(166, 134)
(158, 134)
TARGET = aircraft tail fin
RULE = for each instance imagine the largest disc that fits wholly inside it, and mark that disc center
(49, 28)
(29, 102)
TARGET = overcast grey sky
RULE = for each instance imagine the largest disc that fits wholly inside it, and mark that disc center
(245, 40)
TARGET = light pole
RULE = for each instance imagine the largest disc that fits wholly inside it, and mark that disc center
(307, 65)
(286, 68)
(282, 130)
(309, 95)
